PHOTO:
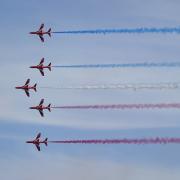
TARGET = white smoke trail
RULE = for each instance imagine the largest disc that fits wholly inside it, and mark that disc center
(157, 86)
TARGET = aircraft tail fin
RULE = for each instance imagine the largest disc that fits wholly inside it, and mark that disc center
(49, 107)
(49, 66)
(34, 87)
(49, 32)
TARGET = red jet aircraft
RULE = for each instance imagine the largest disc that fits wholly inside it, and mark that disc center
(41, 32)
(41, 67)
(40, 107)
(27, 87)
(37, 142)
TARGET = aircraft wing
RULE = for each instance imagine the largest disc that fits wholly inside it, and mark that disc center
(38, 136)
(41, 113)
(27, 93)
(38, 147)
(42, 72)
(41, 27)
(27, 82)
(42, 61)
(41, 102)
(41, 37)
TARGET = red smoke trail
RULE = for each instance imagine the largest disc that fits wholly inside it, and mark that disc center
(156, 140)
(123, 106)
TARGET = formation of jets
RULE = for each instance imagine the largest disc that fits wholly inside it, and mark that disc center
(40, 32)
(37, 141)
(41, 67)
(27, 87)
(41, 107)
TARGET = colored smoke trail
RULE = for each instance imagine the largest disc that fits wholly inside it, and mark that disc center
(160, 86)
(142, 30)
(156, 140)
(125, 65)
(123, 106)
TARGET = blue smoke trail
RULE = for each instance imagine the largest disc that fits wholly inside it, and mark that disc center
(127, 65)
(124, 30)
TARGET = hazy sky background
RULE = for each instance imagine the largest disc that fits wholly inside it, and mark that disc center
(18, 123)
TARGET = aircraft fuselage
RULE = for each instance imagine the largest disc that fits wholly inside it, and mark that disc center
(39, 67)
(24, 87)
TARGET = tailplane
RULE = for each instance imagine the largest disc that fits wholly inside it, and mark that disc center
(34, 87)
(49, 107)
(46, 141)
(49, 32)
(49, 66)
